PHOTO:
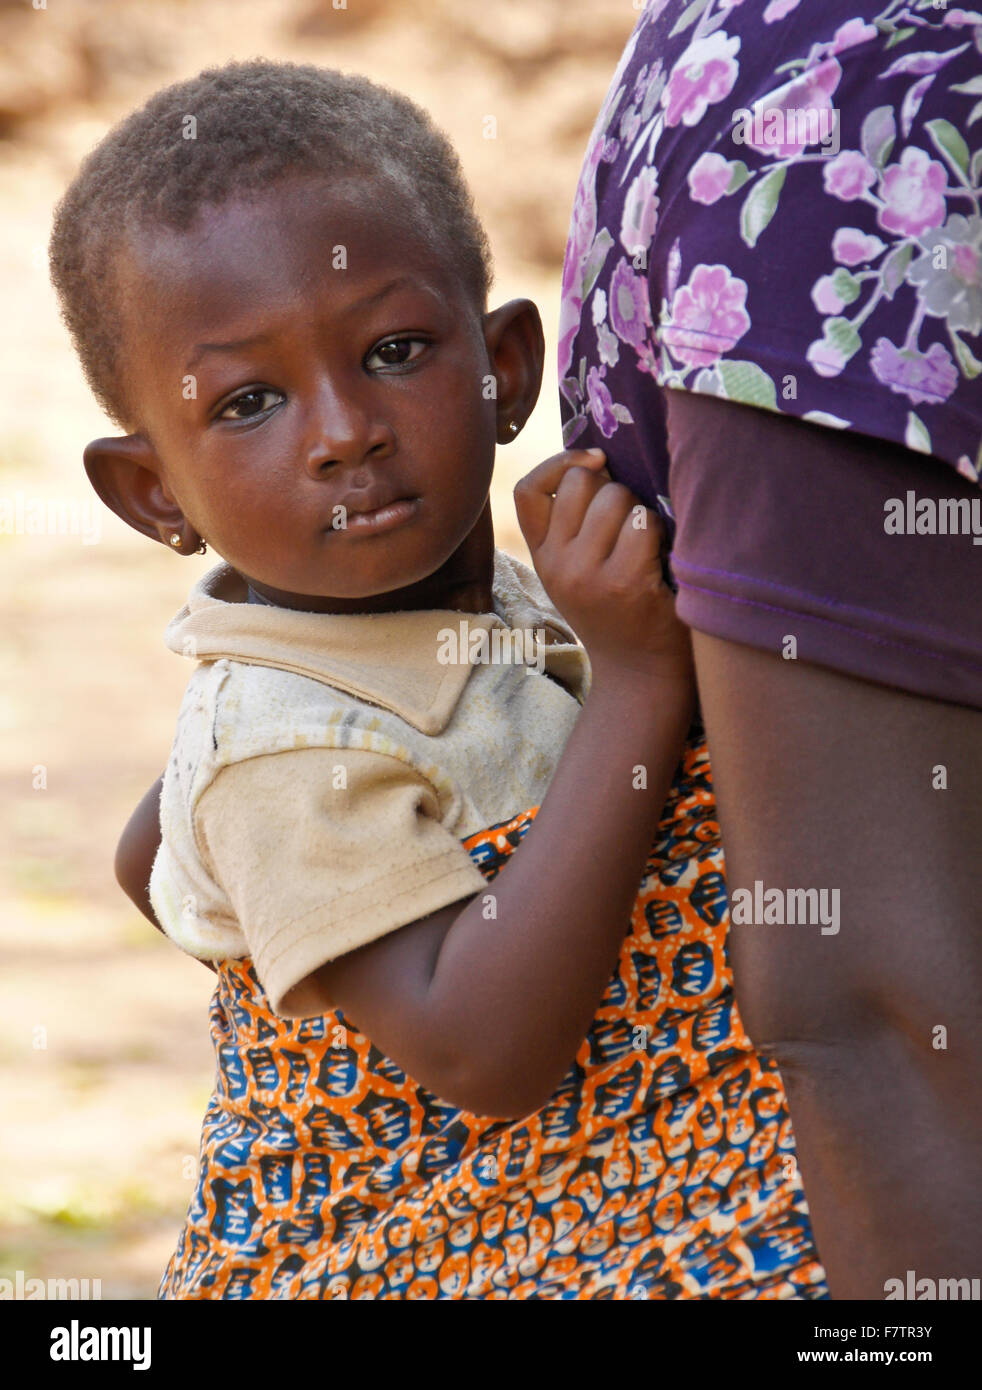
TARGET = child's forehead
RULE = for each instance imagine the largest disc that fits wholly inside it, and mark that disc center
(283, 269)
(293, 233)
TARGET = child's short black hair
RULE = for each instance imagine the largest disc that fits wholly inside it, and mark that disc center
(253, 122)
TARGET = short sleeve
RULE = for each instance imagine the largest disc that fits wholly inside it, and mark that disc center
(322, 850)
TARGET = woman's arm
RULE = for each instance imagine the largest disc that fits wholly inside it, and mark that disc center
(829, 782)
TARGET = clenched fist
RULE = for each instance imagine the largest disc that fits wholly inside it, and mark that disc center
(598, 552)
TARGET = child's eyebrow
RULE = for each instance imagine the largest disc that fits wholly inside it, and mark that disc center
(387, 288)
(201, 349)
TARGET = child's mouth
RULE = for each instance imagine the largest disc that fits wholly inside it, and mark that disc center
(385, 518)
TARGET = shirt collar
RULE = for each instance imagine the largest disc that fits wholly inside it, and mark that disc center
(389, 659)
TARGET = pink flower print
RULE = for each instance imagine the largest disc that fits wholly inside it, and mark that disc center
(852, 32)
(825, 358)
(913, 193)
(711, 305)
(848, 176)
(709, 178)
(824, 296)
(583, 226)
(850, 246)
(777, 9)
(640, 213)
(583, 221)
(957, 18)
(776, 132)
(608, 348)
(630, 312)
(705, 73)
(927, 378)
(630, 124)
(967, 264)
(600, 402)
(951, 290)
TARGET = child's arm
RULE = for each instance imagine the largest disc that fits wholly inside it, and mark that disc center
(490, 1013)
(136, 852)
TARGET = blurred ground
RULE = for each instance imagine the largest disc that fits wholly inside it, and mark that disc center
(105, 1066)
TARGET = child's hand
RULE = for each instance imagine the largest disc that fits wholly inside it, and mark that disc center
(597, 550)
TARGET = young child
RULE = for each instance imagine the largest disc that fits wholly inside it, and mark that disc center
(460, 1053)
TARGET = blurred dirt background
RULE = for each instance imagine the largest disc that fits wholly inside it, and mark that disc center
(105, 1063)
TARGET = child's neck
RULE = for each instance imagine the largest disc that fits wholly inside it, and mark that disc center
(464, 583)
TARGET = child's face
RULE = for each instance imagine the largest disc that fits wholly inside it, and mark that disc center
(301, 356)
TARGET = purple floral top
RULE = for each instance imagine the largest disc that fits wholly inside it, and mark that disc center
(780, 205)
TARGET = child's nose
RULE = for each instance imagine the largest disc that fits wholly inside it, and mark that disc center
(344, 431)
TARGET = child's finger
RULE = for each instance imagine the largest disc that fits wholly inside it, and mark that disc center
(534, 494)
(546, 476)
(577, 491)
(640, 541)
(606, 513)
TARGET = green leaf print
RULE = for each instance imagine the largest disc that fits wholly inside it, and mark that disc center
(948, 142)
(760, 205)
(573, 429)
(825, 417)
(602, 243)
(842, 335)
(738, 176)
(611, 109)
(708, 382)
(894, 268)
(688, 16)
(917, 436)
(969, 363)
(846, 286)
(747, 383)
(878, 134)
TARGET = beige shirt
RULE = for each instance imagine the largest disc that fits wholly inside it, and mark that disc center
(326, 767)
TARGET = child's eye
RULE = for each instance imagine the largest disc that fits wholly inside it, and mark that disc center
(396, 352)
(249, 404)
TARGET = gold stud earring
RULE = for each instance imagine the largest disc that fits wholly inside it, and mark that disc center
(176, 538)
(513, 427)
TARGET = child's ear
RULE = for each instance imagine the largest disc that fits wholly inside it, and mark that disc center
(125, 472)
(516, 348)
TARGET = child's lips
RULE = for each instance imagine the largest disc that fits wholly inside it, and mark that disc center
(383, 518)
